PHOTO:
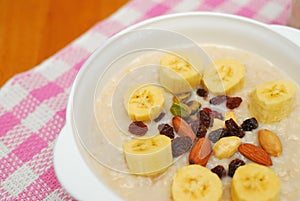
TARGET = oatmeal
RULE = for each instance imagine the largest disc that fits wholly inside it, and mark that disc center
(257, 71)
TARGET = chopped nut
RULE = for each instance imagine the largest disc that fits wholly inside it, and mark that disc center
(270, 142)
(226, 147)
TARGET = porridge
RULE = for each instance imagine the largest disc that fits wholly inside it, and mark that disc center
(158, 187)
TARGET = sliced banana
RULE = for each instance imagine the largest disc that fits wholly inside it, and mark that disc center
(196, 183)
(225, 76)
(144, 102)
(255, 182)
(148, 156)
(178, 75)
(272, 101)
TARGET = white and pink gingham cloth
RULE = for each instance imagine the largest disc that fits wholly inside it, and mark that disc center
(33, 104)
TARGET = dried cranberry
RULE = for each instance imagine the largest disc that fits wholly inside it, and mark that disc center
(217, 100)
(167, 130)
(217, 134)
(219, 170)
(233, 102)
(138, 128)
(233, 165)
(202, 92)
(160, 116)
(181, 145)
(234, 129)
(249, 124)
(207, 110)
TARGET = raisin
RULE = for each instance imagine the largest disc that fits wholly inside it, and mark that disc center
(217, 100)
(204, 118)
(199, 129)
(217, 134)
(233, 165)
(160, 116)
(202, 92)
(233, 102)
(249, 124)
(138, 128)
(234, 129)
(219, 170)
(181, 145)
(167, 130)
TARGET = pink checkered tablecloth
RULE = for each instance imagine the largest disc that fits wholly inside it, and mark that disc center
(33, 104)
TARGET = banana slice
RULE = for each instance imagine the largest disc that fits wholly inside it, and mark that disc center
(272, 101)
(225, 76)
(149, 156)
(255, 182)
(178, 75)
(144, 102)
(196, 183)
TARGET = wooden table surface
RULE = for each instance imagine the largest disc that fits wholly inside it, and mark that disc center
(32, 30)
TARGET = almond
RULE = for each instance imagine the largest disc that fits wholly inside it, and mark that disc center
(200, 152)
(270, 142)
(255, 154)
(182, 128)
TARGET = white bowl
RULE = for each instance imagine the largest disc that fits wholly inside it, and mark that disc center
(200, 27)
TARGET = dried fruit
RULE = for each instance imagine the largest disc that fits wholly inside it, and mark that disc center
(226, 147)
(167, 130)
(180, 110)
(181, 145)
(270, 142)
(213, 113)
(202, 92)
(207, 110)
(233, 165)
(200, 152)
(138, 128)
(215, 135)
(182, 128)
(249, 124)
(233, 102)
(219, 170)
(205, 118)
(194, 106)
(255, 154)
(234, 129)
(217, 100)
(199, 129)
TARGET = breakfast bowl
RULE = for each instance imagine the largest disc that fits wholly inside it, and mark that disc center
(99, 115)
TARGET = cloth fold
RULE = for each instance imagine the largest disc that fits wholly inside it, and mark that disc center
(33, 103)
